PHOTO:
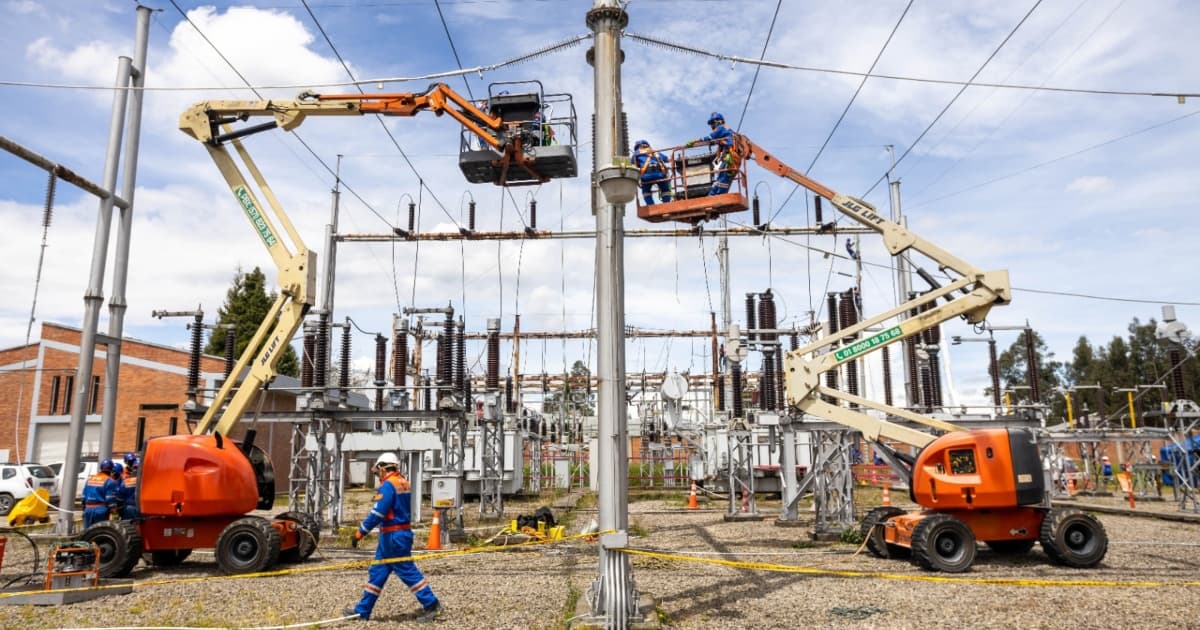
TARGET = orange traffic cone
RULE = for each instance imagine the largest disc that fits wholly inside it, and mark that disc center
(1071, 485)
(745, 501)
(435, 534)
(887, 495)
(692, 498)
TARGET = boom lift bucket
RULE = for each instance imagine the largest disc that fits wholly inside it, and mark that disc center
(541, 125)
(693, 172)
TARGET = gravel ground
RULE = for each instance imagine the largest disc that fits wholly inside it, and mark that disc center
(541, 588)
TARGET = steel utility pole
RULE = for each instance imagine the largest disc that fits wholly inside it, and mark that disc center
(129, 75)
(612, 598)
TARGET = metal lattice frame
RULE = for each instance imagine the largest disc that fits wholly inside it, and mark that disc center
(317, 483)
(832, 481)
(535, 461)
(491, 500)
(741, 472)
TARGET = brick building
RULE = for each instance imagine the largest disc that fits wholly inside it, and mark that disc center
(37, 380)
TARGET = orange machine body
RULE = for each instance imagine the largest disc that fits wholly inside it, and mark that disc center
(990, 479)
(194, 476)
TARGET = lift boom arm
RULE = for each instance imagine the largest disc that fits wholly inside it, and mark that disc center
(981, 290)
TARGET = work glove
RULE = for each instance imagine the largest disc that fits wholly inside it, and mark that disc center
(690, 144)
(357, 537)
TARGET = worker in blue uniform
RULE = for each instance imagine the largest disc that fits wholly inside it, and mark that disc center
(727, 162)
(391, 514)
(96, 492)
(653, 171)
(127, 494)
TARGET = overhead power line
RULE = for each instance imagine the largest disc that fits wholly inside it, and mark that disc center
(654, 41)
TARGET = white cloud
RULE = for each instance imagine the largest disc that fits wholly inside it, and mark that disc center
(1090, 185)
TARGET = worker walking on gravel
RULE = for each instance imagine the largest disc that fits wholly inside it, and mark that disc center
(391, 514)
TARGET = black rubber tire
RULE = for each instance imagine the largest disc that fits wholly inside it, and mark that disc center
(1073, 538)
(872, 530)
(1010, 547)
(120, 546)
(309, 536)
(166, 557)
(247, 545)
(941, 542)
(6, 503)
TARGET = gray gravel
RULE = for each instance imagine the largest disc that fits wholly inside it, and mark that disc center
(536, 588)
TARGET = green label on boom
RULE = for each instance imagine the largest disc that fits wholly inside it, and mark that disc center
(864, 345)
(256, 217)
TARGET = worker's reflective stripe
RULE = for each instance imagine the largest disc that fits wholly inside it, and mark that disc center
(376, 513)
(418, 586)
(387, 529)
(371, 588)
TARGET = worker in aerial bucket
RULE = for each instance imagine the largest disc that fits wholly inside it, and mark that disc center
(652, 171)
(727, 162)
(391, 514)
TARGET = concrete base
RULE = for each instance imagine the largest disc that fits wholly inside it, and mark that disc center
(26, 596)
(744, 516)
(826, 536)
(647, 610)
(796, 523)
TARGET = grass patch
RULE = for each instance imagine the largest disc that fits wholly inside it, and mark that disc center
(851, 535)
(637, 529)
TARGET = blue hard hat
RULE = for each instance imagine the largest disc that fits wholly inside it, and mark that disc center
(131, 459)
(106, 465)
(117, 468)
(641, 143)
(715, 116)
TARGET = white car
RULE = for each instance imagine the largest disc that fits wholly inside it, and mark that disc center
(87, 468)
(18, 481)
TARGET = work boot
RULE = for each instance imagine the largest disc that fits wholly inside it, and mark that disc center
(350, 612)
(429, 615)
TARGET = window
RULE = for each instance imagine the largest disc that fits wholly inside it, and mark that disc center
(9, 473)
(95, 399)
(55, 383)
(69, 384)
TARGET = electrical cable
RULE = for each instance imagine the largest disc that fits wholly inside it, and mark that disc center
(954, 100)
(437, 4)
(761, 56)
(661, 43)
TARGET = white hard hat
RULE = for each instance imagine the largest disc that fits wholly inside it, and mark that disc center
(387, 460)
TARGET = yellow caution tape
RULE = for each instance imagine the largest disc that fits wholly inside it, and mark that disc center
(357, 564)
(787, 568)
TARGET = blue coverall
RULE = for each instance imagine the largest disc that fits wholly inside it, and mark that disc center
(391, 514)
(726, 163)
(97, 492)
(127, 497)
(652, 168)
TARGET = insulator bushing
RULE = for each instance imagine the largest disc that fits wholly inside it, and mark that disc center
(193, 375)
(400, 354)
(780, 390)
(321, 365)
(445, 352)
(736, 376)
(887, 375)
(460, 358)
(533, 214)
(1031, 363)
(766, 316)
(510, 403)
(750, 319)
(835, 315)
(344, 376)
(994, 372)
(935, 380)
(306, 362)
(471, 216)
(48, 208)
(1176, 358)
(380, 369)
(766, 387)
(428, 397)
(493, 354)
(926, 389)
(230, 345)
(794, 342)
(720, 392)
(412, 217)
(754, 207)
(817, 209)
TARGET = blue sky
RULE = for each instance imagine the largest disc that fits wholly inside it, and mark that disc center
(1074, 193)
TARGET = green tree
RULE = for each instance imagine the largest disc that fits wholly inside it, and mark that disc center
(246, 304)
(1014, 372)
(575, 392)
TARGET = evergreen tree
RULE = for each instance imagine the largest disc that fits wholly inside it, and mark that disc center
(246, 304)
(574, 392)
(1014, 373)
